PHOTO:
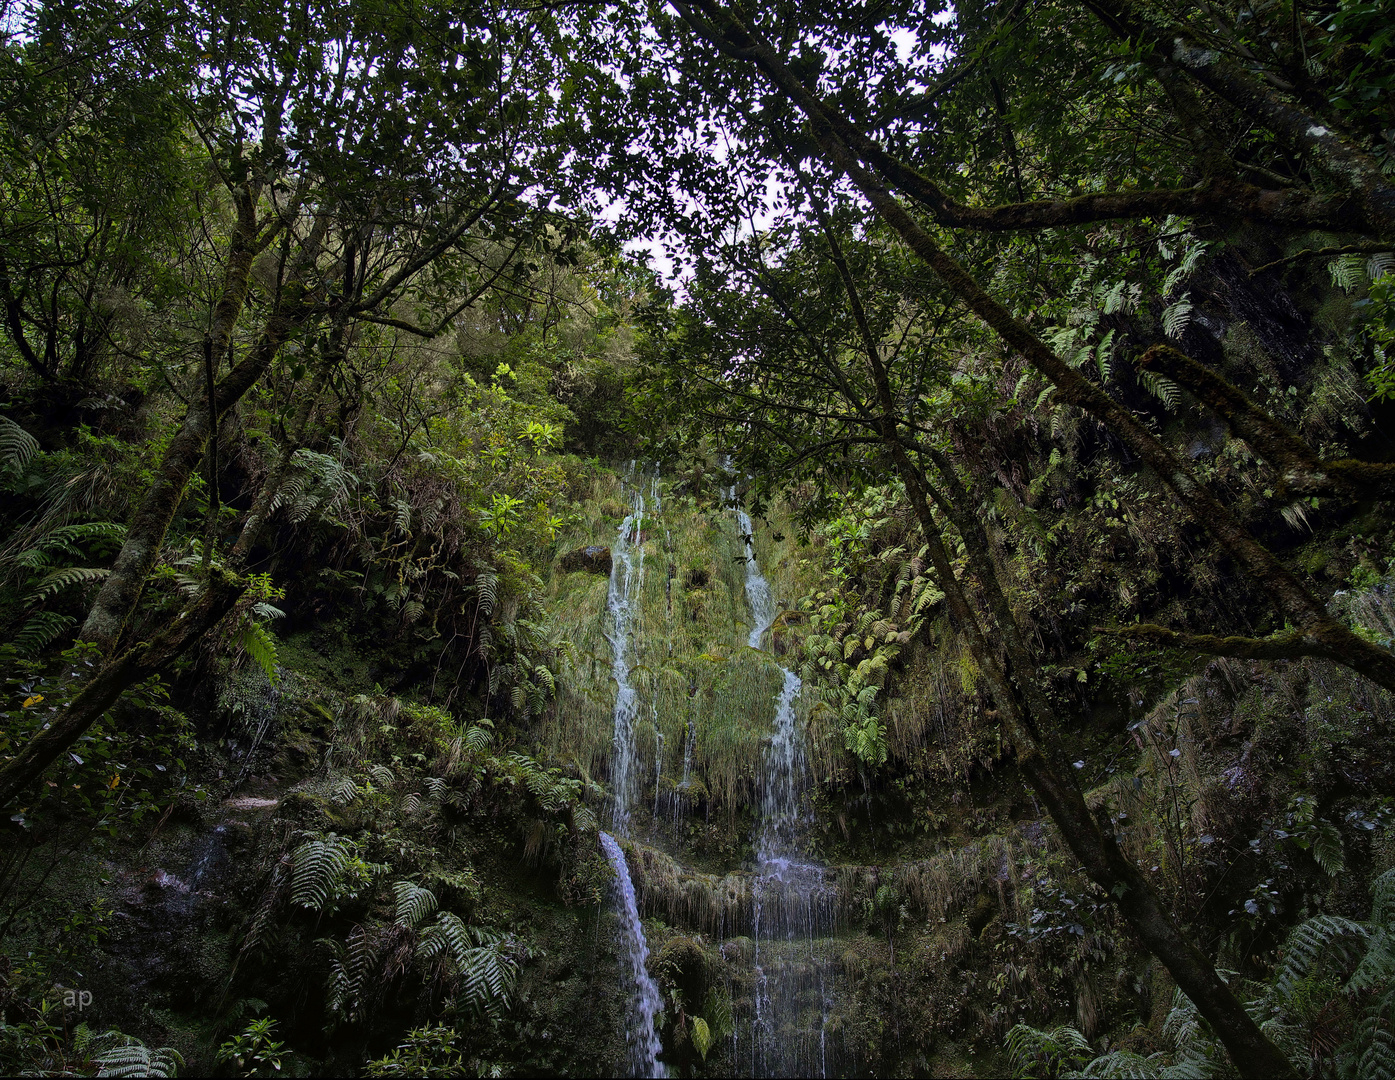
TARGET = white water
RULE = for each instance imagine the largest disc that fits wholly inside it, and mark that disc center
(626, 577)
(626, 581)
(757, 588)
(791, 898)
(645, 1003)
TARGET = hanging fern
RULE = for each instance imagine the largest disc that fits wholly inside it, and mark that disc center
(344, 790)
(1348, 272)
(40, 630)
(352, 965)
(256, 639)
(57, 580)
(1176, 317)
(1162, 388)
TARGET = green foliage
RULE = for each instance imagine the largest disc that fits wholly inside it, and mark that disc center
(1380, 330)
(1039, 1054)
(414, 904)
(701, 1035)
(17, 449)
(482, 961)
(133, 1058)
(428, 1051)
(329, 872)
(254, 1052)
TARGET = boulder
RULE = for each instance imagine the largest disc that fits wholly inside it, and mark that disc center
(593, 560)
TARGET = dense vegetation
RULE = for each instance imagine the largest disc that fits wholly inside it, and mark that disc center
(1050, 347)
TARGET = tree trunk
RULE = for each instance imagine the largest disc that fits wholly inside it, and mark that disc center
(121, 591)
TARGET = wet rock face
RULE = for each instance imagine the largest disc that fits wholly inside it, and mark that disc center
(594, 559)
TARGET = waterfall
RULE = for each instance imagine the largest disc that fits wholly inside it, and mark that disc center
(645, 1003)
(757, 588)
(793, 905)
(626, 580)
(626, 576)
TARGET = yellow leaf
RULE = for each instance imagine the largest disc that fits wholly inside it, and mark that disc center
(33, 700)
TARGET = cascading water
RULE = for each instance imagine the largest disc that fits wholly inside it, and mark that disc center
(645, 1002)
(626, 579)
(626, 576)
(793, 904)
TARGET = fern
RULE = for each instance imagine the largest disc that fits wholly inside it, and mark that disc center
(256, 639)
(134, 1058)
(482, 960)
(57, 580)
(40, 630)
(319, 863)
(351, 966)
(344, 790)
(486, 588)
(1176, 317)
(1035, 1053)
(414, 903)
(17, 447)
(381, 775)
(1348, 272)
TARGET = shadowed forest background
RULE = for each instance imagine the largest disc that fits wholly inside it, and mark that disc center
(939, 624)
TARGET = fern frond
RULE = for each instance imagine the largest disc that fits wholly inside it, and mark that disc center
(1348, 272)
(57, 580)
(318, 866)
(381, 775)
(256, 639)
(40, 630)
(17, 446)
(1326, 937)
(134, 1058)
(1383, 899)
(1377, 968)
(414, 903)
(344, 790)
(1176, 317)
(1034, 1052)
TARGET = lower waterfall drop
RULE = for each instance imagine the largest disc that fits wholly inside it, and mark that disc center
(626, 579)
(645, 1003)
(793, 902)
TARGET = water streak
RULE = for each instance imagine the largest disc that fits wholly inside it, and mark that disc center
(622, 598)
(793, 903)
(626, 576)
(645, 1003)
